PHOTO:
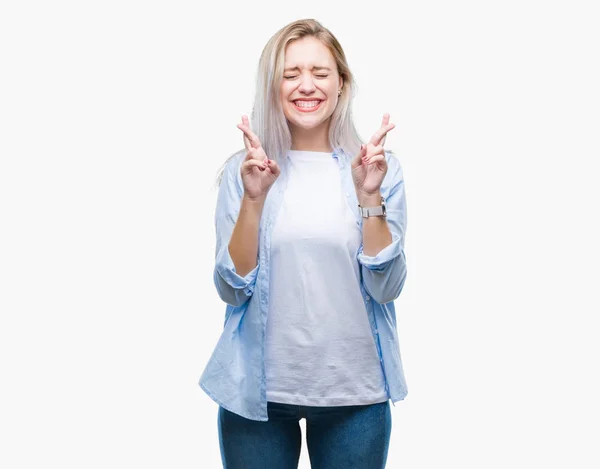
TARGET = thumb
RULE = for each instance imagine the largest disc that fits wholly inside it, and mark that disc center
(357, 160)
(274, 167)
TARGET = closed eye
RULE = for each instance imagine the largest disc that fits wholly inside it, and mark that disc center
(295, 76)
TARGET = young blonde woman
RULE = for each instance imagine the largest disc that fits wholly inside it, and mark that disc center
(310, 226)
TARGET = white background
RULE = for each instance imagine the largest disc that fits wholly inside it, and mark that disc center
(114, 119)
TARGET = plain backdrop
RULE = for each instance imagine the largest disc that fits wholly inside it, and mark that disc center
(115, 117)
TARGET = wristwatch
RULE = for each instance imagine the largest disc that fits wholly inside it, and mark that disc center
(378, 211)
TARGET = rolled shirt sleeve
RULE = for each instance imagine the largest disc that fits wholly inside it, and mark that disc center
(385, 273)
(228, 278)
(231, 287)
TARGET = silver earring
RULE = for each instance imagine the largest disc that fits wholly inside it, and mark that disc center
(339, 92)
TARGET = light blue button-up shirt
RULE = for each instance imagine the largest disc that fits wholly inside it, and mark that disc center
(234, 376)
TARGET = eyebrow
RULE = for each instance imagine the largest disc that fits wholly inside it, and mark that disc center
(289, 69)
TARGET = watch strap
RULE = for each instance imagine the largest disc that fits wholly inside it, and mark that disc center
(378, 211)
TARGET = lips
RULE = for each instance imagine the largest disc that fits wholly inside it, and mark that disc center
(307, 105)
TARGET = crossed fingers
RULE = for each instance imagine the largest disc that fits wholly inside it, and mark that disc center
(378, 137)
(251, 140)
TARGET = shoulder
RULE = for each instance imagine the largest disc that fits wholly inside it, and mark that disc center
(233, 163)
(230, 174)
(394, 176)
(394, 166)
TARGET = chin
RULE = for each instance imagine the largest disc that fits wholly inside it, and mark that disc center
(307, 125)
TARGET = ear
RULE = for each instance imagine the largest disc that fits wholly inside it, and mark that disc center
(341, 84)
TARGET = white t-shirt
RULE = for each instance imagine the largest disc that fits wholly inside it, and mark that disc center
(319, 348)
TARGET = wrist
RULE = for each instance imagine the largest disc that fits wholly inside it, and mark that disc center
(252, 204)
(369, 199)
(258, 200)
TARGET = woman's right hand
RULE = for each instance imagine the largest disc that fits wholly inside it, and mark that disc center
(257, 170)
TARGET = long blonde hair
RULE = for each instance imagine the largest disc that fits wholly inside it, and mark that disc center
(268, 121)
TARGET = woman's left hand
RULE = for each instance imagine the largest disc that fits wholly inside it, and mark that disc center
(369, 166)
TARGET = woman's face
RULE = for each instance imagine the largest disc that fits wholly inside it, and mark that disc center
(309, 90)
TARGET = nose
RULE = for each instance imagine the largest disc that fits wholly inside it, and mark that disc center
(307, 84)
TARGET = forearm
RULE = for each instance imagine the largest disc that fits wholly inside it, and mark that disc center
(243, 245)
(376, 233)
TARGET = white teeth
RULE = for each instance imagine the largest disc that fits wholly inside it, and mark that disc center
(307, 104)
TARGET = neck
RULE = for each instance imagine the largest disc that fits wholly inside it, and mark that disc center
(316, 139)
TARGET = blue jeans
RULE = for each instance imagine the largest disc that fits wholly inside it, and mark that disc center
(342, 437)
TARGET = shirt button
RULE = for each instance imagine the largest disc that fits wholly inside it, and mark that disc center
(367, 298)
(347, 194)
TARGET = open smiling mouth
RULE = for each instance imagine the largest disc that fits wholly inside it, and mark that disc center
(307, 106)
